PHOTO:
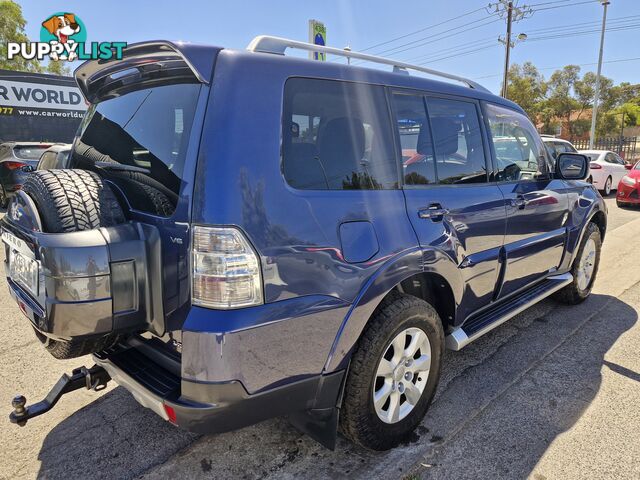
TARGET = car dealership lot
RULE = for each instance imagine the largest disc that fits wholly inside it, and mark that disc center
(552, 393)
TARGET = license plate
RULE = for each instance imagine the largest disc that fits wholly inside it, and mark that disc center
(22, 269)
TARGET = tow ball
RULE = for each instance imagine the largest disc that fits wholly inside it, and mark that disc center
(94, 378)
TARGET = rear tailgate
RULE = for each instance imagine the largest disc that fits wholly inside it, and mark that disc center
(142, 133)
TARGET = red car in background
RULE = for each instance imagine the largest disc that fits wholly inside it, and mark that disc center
(628, 187)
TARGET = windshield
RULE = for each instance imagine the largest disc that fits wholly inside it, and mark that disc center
(139, 140)
(592, 156)
(29, 152)
(637, 166)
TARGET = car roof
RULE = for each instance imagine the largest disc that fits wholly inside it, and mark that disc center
(546, 138)
(304, 67)
(59, 147)
(599, 152)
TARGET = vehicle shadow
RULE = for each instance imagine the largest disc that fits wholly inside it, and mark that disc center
(114, 437)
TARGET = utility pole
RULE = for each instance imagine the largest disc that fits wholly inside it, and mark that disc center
(513, 13)
(507, 46)
(596, 98)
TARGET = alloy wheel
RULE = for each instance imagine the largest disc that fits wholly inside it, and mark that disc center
(402, 374)
(587, 264)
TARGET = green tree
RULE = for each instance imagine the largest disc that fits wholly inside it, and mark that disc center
(12, 24)
(527, 88)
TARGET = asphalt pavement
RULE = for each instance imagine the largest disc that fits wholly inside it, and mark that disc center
(553, 393)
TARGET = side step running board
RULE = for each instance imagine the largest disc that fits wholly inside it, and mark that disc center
(486, 321)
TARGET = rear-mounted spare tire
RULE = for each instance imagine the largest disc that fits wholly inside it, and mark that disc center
(71, 201)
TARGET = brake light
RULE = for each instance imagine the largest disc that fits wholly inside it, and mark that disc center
(14, 165)
(595, 166)
(225, 269)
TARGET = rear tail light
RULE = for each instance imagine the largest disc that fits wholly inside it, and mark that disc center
(14, 165)
(226, 269)
(595, 166)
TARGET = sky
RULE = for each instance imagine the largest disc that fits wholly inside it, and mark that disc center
(559, 32)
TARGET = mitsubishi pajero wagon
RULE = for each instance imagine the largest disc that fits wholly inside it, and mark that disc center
(248, 234)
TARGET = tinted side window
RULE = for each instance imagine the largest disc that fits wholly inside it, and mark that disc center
(337, 136)
(415, 140)
(518, 148)
(457, 141)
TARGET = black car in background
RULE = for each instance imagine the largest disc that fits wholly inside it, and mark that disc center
(14, 157)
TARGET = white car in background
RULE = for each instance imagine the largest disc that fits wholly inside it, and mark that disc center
(556, 146)
(606, 169)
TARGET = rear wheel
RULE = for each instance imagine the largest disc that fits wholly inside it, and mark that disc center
(4, 200)
(584, 269)
(71, 201)
(393, 374)
(607, 187)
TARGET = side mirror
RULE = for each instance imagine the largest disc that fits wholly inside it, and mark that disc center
(628, 166)
(572, 166)
(28, 169)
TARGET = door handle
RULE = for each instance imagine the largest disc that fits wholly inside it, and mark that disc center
(434, 211)
(520, 202)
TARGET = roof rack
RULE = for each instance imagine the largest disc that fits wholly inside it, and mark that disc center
(278, 45)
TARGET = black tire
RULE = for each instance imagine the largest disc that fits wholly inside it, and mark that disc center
(161, 204)
(70, 201)
(572, 294)
(73, 200)
(63, 350)
(4, 200)
(608, 181)
(359, 421)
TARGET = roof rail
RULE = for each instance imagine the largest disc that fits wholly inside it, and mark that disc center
(278, 45)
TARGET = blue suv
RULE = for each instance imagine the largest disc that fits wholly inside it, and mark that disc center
(244, 234)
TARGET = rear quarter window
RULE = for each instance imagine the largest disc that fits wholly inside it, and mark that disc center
(337, 136)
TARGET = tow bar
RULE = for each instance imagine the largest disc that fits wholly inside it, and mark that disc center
(94, 378)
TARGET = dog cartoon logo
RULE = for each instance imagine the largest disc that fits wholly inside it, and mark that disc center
(63, 28)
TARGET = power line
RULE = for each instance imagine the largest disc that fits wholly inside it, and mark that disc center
(429, 39)
(619, 60)
(422, 30)
(462, 48)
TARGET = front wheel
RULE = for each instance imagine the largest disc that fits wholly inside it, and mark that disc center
(393, 374)
(584, 269)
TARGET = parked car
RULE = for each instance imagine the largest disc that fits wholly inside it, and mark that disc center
(56, 156)
(269, 249)
(14, 156)
(606, 169)
(556, 146)
(628, 187)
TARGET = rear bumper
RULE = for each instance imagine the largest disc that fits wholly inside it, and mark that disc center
(210, 407)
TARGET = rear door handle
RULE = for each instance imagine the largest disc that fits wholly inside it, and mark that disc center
(434, 211)
(520, 202)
